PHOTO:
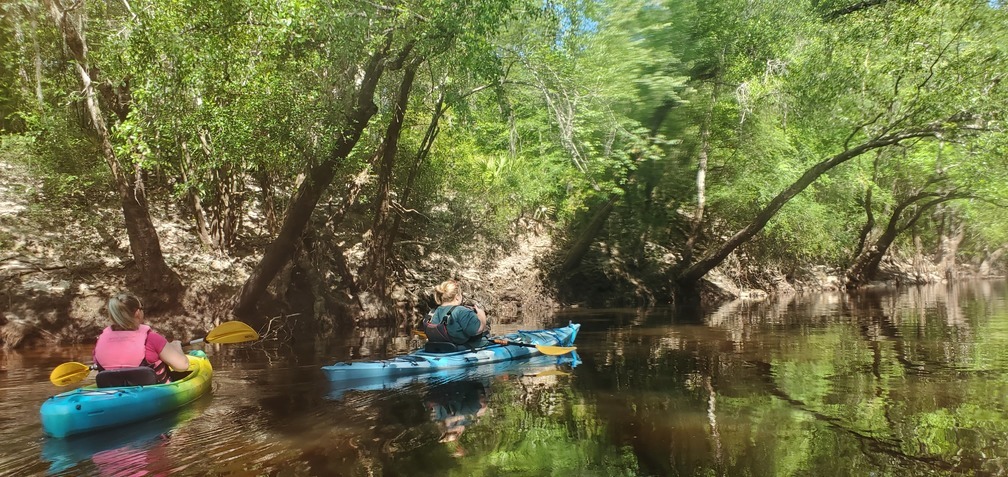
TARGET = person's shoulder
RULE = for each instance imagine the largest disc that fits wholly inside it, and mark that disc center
(155, 338)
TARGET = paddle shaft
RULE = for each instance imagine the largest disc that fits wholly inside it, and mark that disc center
(544, 349)
(515, 343)
(550, 350)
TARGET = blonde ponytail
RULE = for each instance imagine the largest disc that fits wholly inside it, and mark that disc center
(448, 290)
(123, 307)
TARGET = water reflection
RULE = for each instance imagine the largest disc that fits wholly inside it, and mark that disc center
(881, 382)
(454, 406)
(432, 424)
(884, 382)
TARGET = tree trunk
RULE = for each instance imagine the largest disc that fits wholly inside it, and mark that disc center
(951, 236)
(306, 197)
(869, 224)
(226, 203)
(355, 186)
(701, 180)
(690, 276)
(376, 263)
(267, 197)
(202, 230)
(37, 53)
(157, 281)
(34, 81)
(987, 265)
(225, 217)
(154, 280)
(866, 266)
(579, 248)
(421, 156)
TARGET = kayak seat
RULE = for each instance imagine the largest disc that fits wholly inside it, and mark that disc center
(138, 376)
(443, 347)
(177, 375)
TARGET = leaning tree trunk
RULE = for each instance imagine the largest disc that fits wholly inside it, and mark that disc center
(153, 279)
(688, 278)
(423, 151)
(376, 262)
(866, 266)
(578, 249)
(317, 179)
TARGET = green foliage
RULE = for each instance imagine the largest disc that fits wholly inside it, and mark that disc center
(69, 164)
(550, 110)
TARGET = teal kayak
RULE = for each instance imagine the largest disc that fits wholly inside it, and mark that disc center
(91, 408)
(521, 346)
(64, 454)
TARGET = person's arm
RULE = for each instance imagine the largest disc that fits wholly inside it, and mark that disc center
(482, 318)
(173, 356)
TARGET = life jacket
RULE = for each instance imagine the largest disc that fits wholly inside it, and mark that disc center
(118, 349)
(438, 331)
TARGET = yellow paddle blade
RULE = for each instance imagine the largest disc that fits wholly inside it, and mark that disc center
(231, 332)
(544, 349)
(420, 333)
(69, 373)
(554, 350)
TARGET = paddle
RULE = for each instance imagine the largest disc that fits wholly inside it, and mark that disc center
(544, 349)
(229, 332)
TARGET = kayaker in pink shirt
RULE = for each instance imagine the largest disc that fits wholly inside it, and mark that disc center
(129, 343)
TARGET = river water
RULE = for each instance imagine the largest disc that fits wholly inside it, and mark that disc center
(909, 381)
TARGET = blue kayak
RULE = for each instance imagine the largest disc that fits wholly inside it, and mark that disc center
(91, 408)
(536, 365)
(521, 346)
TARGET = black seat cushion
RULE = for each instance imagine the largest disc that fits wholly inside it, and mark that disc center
(138, 376)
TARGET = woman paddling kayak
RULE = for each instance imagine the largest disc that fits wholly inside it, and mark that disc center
(128, 343)
(454, 322)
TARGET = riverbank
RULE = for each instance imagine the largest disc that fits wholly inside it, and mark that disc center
(62, 258)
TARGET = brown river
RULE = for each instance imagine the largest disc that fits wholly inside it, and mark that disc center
(892, 381)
